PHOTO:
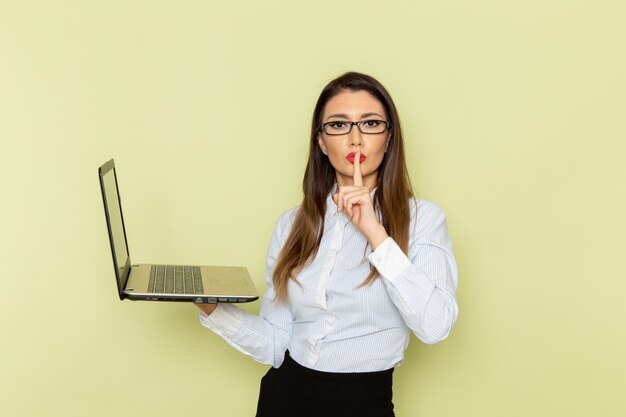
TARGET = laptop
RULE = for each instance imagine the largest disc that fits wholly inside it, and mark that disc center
(156, 282)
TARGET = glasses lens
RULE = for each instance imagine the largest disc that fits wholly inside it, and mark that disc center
(372, 127)
(337, 128)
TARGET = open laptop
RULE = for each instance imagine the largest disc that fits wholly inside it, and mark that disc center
(197, 284)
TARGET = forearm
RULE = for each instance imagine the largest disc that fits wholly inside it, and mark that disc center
(427, 309)
(250, 334)
(422, 290)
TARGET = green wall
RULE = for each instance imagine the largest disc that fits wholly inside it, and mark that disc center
(514, 119)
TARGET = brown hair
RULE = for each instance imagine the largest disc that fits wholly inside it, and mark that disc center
(391, 198)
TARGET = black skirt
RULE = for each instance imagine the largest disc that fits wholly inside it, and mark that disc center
(296, 391)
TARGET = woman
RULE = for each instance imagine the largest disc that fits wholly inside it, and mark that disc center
(350, 272)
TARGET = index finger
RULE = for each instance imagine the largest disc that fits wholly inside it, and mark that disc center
(358, 178)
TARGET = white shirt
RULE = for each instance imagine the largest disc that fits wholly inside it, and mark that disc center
(329, 324)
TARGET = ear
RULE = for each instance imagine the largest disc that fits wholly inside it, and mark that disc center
(321, 143)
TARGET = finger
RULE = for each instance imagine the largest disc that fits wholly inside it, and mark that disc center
(358, 193)
(343, 194)
(349, 212)
(354, 199)
(358, 178)
(353, 210)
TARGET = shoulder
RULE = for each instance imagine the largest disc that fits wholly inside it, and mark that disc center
(285, 221)
(288, 215)
(423, 210)
(425, 216)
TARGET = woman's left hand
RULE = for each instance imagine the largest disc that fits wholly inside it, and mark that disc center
(355, 201)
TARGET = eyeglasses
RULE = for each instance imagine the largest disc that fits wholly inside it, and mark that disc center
(367, 127)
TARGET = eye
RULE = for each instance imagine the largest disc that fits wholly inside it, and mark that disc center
(337, 125)
(371, 123)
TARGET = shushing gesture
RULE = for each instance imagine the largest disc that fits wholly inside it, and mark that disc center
(355, 201)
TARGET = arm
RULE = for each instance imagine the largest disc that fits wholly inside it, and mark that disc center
(423, 284)
(264, 337)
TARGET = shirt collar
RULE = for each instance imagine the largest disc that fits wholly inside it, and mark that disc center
(331, 207)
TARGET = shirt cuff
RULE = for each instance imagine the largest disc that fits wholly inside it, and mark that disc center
(389, 259)
(226, 319)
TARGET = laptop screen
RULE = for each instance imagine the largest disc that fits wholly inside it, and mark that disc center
(116, 224)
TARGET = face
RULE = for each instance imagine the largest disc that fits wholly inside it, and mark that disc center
(354, 106)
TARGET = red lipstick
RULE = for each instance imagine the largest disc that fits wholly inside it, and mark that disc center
(351, 155)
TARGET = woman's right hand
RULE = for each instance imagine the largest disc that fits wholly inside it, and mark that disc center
(207, 308)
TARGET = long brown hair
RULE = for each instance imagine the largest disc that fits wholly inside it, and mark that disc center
(391, 198)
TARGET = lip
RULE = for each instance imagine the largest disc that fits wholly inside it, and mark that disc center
(351, 155)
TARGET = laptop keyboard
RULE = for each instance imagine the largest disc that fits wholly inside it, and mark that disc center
(169, 279)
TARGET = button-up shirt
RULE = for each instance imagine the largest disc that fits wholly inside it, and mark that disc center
(328, 322)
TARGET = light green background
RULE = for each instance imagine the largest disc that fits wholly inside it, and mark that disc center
(514, 114)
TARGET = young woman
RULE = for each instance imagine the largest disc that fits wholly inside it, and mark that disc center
(351, 272)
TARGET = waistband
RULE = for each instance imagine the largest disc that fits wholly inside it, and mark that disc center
(291, 366)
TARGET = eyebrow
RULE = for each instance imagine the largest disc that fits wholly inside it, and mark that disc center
(345, 116)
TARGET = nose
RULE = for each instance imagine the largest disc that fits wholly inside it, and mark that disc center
(356, 137)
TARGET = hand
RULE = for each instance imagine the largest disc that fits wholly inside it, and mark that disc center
(207, 308)
(355, 201)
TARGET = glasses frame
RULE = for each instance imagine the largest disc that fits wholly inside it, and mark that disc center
(358, 126)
